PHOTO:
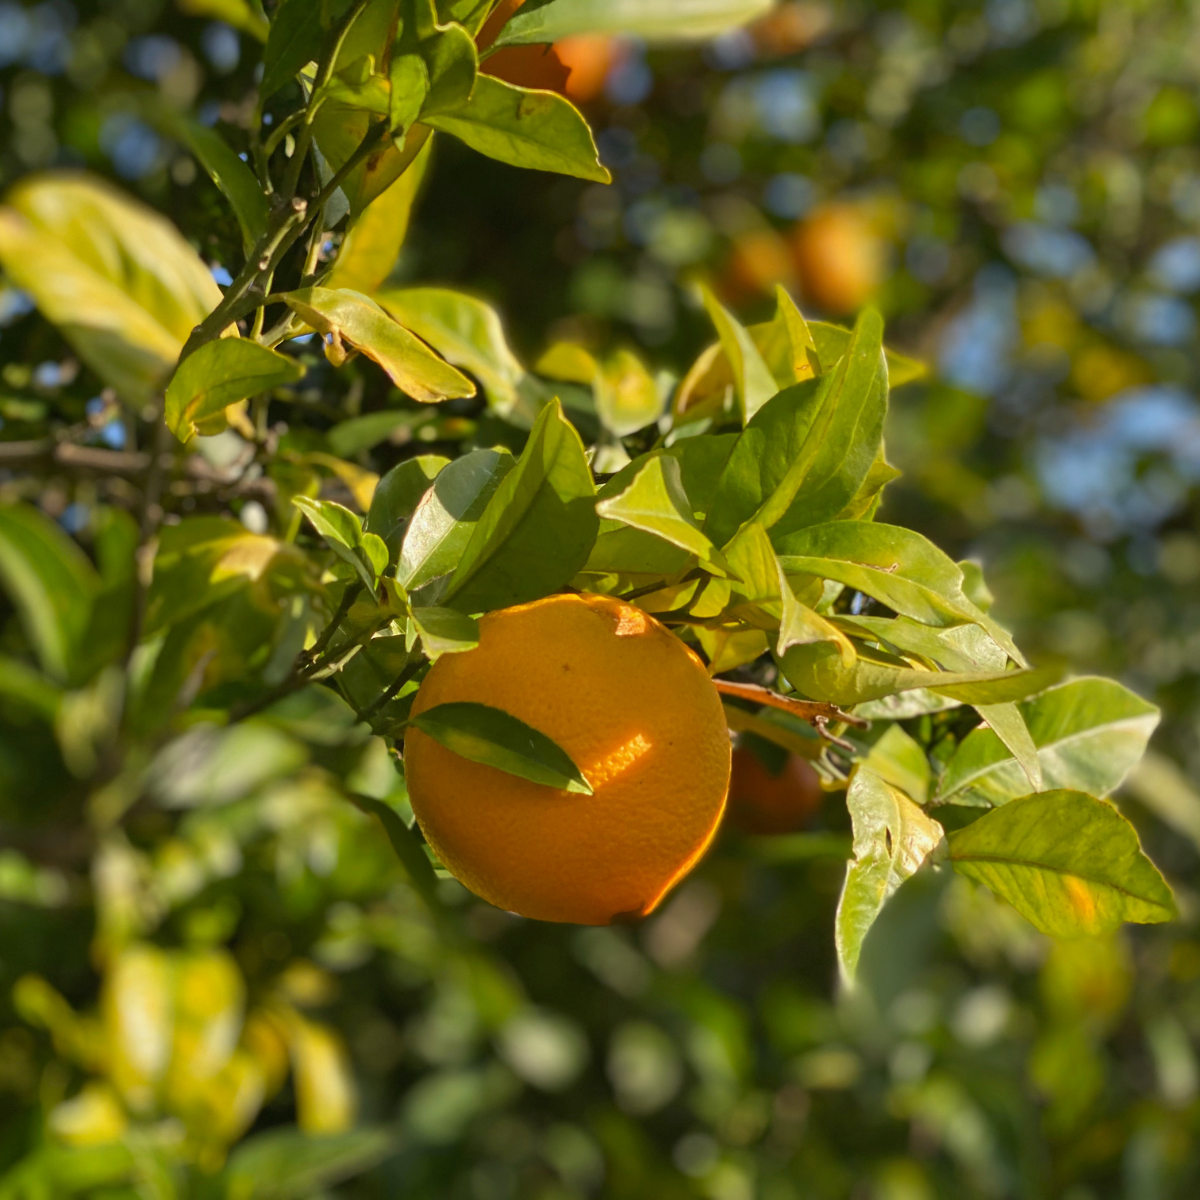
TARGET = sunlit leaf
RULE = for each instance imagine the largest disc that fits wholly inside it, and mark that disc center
(221, 373)
(497, 739)
(524, 128)
(117, 278)
(892, 839)
(1067, 862)
(1088, 734)
(538, 527)
(655, 20)
(350, 317)
(398, 494)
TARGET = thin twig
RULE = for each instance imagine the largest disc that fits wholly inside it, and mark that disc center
(391, 693)
(816, 712)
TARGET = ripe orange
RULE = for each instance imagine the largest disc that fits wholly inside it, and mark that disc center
(839, 257)
(635, 710)
(764, 802)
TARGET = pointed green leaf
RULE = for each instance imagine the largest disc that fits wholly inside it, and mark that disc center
(893, 565)
(656, 503)
(445, 519)
(1067, 862)
(1007, 722)
(753, 382)
(221, 373)
(397, 495)
(1088, 734)
(538, 527)
(525, 128)
(234, 178)
(445, 631)
(343, 533)
(899, 760)
(293, 41)
(893, 838)
(655, 20)
(463, 330)
(345, 316)
(497, 739)
(831, 342)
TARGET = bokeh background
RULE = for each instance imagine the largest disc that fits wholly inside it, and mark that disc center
(1017, 185)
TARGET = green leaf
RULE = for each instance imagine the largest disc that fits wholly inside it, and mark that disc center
(116, 277)
(497, 739)
(623, 550)
(234, 178)
(1088, 734)
(26, 689)
(450, 59)
(656, 503)
(51, 584)
(525, 128)
(807, 453)
(343, 532)
(893, 838)
(893, 565)
(654, 20)
(1070, 864)
(832, 340)
(246, 15)
(397, 495)
(345, 316)
(443, 523)
(463, 330)
(899, 760)
(1007, 722)
(1166, 791)
(286, 1164)
(369, 251)
(293, 41)
(761, 585)
(817, 671)
(445, 631)
(627, 397)
(538, 527)
(753, 382)
(221, 373)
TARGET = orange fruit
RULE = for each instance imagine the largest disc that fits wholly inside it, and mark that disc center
(761, 801)
(636, 712)
(839, 258)
(589, 57)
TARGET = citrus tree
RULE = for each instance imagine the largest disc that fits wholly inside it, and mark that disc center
(486, 617)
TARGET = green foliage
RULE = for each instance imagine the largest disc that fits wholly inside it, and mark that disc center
(205, 698)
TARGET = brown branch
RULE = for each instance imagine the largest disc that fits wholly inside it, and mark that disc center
(816, 712)
(47, 452)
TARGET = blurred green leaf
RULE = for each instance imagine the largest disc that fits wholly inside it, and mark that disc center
(1068, 863)
(538, 527)
(285, 1164)
(893, 838)
(52, 586)
(497, 739)
(117, 278)
(655, 20)
(524, 128)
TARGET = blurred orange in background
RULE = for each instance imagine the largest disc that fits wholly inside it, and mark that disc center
(839, 257)
(575, 67)
(762, 801)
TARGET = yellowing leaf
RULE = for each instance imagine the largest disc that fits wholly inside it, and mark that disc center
(350, 317)
(116, 277)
